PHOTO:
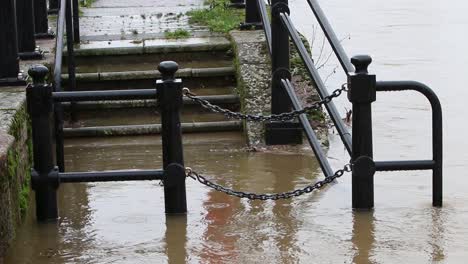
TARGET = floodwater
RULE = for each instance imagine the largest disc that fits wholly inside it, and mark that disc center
(422, 40)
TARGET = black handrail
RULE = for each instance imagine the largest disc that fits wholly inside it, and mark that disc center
(317, 81)
(311, 136)
(59, 48)
(265, 21)
(335, 43)
(437, 143)
(64, 26)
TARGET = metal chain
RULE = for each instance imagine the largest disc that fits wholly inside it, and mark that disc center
(276, 196)
(260, 118)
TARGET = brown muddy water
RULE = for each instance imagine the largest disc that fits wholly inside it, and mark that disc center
(423, 40)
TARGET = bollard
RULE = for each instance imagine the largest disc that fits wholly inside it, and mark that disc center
(26, 36)
(237, 3)
(76, 21)
(41, 22)
(362, 92)
(169, 96)
(252, 16)
(9, 62)
(44, 176)
(53, 7)
(280, 133)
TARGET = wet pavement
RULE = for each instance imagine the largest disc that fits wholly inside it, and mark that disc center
(136, 19)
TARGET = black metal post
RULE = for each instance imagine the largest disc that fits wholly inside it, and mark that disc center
(9, 62)
(362, 92)
(169, 95)
(41, 22)
(70, 56)
(44, 174)
(53, 6)
(237, 3)
(76, 21)
(26, 36)
(252, 16)
(278, 133)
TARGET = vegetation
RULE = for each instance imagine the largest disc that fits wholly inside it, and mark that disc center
(219, 17)
(177, 34)
(86, 3)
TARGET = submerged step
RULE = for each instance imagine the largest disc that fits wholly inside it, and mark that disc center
(151, 46)
(152, 74)
(105, 131)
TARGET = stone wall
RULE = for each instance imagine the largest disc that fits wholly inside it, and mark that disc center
(253, 67)
(253, 79)
(15, 162)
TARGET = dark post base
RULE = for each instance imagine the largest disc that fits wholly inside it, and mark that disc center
(283, 133)
(237, 5)
(49, 35)
(19, 81)
(53, 11)
(33, 55)
(249, 26)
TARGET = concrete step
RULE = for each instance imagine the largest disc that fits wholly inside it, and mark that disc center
(107, 131)
(194, 78)
(151, 46)
(222, 100)
(207, 59)
(151, 74)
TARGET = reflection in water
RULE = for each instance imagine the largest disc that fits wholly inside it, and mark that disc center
(176, 238)
(437, 236)
(363, 238)
(65, 241)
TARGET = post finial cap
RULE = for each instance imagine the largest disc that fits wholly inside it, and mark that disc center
(38, 73)
(168, 69)
(361, 63)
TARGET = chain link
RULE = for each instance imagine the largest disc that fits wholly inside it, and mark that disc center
(260, 118)
(276, 196)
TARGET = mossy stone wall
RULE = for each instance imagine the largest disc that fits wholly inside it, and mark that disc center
(15, 163)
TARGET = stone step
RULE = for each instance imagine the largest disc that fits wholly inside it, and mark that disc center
(151, 46)
(107, 131)
(138, 112)
(151, 74)
(222, 100)
(208, 59)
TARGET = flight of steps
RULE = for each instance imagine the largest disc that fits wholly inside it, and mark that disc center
(205, 66)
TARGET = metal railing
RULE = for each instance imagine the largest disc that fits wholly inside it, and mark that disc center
(42, 103)
(64, 27)
(362, 88)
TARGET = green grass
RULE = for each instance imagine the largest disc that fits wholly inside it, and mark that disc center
(177, 34)
(219, 17)
(86, 3)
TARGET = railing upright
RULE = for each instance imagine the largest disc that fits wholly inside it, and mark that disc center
(76, 21)
(169, 96)
(9, 62)
(278, 133)
(26, 35)
(362, 92)
(71, 54)
(252, 16)
(41, 21)
(44, 174)
(54, 6)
